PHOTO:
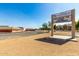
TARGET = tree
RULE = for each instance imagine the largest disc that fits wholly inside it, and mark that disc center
(77, 25)
(44, 26)
(49, 24)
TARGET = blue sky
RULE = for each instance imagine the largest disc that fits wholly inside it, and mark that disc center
(25, 15)
(31, 15)
(60, 7)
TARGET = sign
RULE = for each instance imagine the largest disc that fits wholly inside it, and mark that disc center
(62, 17)
(67, 16)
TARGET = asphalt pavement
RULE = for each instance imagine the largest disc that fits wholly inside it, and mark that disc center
(17, 34)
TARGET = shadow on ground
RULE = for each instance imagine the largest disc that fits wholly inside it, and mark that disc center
(57, 41)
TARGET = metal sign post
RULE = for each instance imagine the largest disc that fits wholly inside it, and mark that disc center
(73, 23)
(52, 25)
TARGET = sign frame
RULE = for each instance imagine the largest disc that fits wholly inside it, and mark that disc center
(72, 24)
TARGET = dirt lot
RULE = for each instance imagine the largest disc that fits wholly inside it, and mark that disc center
(29, 46)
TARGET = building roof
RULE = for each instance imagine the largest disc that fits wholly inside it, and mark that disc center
(5, 27)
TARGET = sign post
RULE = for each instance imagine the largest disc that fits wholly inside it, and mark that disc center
(52, 25)
(73, 23)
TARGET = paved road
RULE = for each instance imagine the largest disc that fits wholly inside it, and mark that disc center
(22, 34)
(18, 34)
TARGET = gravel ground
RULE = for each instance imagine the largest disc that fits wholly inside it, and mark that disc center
(33, 46)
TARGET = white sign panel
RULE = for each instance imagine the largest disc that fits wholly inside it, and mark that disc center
(62, 17)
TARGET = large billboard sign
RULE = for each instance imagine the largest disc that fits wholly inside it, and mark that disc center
(66, 16)
(62, 17)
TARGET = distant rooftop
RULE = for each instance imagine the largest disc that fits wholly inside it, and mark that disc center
(4, 26)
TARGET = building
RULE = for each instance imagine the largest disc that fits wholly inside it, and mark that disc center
(29, 29)
(11, 29)
(5, 29)
(17, 29)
